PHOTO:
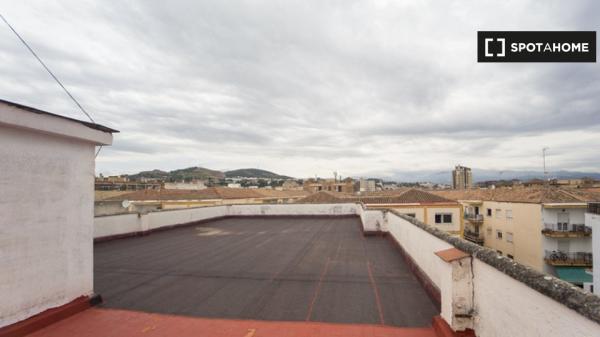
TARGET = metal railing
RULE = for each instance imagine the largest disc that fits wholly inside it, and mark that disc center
(473, 237)
(474, 217)
(557, 257)
(594, 207)
(566, 228)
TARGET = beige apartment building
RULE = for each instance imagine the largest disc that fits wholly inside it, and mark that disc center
(436, 211)
(543, 227)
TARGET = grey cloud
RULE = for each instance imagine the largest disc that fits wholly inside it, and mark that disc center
(303, 86)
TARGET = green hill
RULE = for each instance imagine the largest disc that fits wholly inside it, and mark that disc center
(254, 173)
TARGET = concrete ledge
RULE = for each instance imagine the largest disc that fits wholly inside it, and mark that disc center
(577, 299)
(49, 316)
(194, 223)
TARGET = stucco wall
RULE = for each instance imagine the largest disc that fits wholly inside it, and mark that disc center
(46, 227)
(507, 307)
(419, 244)
(121, 224)
(593, 220)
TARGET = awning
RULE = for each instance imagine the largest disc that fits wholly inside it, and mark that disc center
(576, 275)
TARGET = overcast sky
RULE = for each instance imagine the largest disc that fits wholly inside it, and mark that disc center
(308, 87)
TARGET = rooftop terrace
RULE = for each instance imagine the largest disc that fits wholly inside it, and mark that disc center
(282, 268)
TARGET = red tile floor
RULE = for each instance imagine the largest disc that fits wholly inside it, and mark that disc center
(97, 322)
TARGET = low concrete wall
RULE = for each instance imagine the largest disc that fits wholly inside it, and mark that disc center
(372, 220)
(419, 244)
(117, 225)
(509, 299)
(507, 307)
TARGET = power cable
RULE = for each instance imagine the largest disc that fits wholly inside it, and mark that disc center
(51, 74)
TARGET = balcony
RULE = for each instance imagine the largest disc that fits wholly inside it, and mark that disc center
(473, 237)
(564, 230)
(476, 219)
(559, 258)
(594, 208)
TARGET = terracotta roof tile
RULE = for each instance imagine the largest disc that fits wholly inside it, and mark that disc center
(548, 194)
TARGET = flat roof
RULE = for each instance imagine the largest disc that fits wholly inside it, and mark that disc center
(264, 268)
(42, 112)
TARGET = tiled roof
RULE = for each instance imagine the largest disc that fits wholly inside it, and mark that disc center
(539, 195)
(208, 193)
(402, 196)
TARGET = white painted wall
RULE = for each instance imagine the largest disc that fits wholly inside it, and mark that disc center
(420, 245)
(46, 207)
(120, 224)
(576, 215)
(507, 307)
(593, 220)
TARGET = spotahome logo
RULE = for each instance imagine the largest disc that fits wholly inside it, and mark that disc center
(521, 46)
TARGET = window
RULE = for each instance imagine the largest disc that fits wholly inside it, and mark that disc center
(510, 256)
(509, 237)
(508, 213)
(498, 213)
(499, 252)
(443, 218)
(412, 215)
(489, 212)
(499, 234)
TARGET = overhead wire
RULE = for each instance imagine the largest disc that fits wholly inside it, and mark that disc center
(51, 74)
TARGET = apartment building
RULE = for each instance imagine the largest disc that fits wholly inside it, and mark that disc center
(592, 220)
(426, 207)
(462, 178)
(544, 228)
(367, 185)
(330, 185)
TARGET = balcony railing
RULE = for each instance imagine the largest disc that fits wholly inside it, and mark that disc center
(594, 207)
(565, 230)
(474, 217)
(473, 237)
(560, 258)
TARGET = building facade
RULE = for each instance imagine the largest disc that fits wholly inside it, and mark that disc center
(462, 178)
(545, 228)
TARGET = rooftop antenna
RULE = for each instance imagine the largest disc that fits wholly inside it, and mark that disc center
(544, 159)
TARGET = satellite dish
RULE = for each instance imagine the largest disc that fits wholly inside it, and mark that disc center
(125, 203)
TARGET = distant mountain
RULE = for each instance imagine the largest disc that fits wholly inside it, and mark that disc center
(155, 174)
(202, 173)
(445, 177)
(189, 173)
(254, 173)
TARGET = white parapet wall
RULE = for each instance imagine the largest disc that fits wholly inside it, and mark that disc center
(503, 306)
(419, 245)
(115, 225)
(507, 307)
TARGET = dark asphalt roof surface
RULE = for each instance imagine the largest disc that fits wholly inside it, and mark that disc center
(289, 269)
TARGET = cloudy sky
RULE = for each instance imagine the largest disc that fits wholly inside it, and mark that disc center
(308, 87)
